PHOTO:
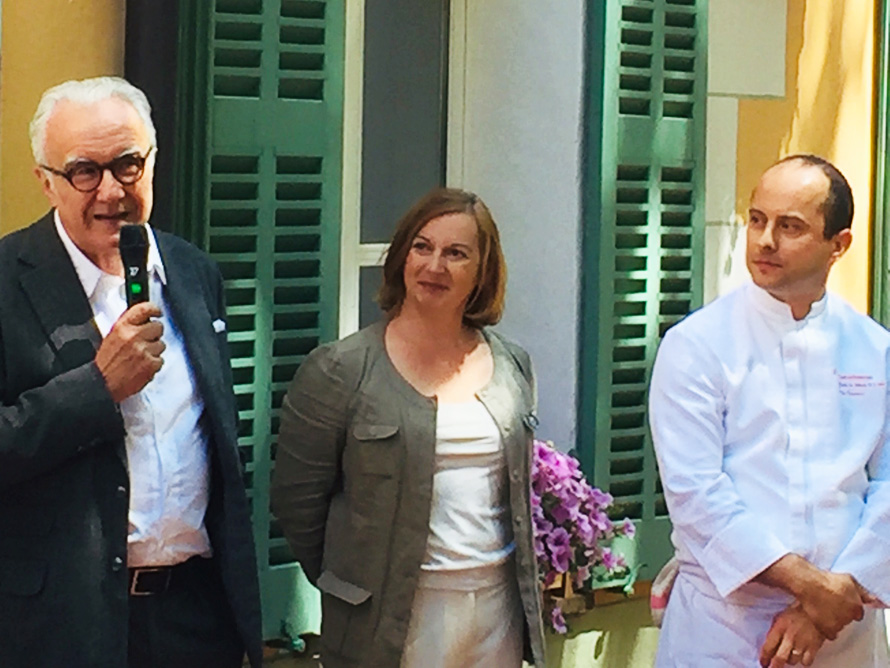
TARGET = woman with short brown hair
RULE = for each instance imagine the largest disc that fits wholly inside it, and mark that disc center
(402, 478)
(486, 305)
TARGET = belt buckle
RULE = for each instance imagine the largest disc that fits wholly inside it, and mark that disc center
(137, 572)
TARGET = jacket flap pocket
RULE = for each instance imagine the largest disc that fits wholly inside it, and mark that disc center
(345, 591)
(21, 577)
(374, 432)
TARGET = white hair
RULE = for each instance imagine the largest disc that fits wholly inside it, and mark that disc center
(86, 91)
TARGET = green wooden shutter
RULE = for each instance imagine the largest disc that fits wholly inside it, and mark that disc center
(643, 236)
(268, 135)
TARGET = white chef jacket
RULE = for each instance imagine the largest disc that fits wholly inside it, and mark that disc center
(770, 435)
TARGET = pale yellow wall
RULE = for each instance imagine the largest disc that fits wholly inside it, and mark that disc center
(620, 635)
(828, 109)
(45, 42)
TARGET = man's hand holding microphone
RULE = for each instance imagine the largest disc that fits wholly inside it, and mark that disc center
(130, 356)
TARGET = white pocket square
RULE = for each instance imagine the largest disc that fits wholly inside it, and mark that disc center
(219, 326)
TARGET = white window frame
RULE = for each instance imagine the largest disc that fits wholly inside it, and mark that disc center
(353, 253)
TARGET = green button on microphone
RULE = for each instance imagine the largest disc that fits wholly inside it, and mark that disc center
(133, 246)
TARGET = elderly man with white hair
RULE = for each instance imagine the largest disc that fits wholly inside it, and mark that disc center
(125, 536)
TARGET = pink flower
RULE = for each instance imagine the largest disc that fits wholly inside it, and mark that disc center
(601, 521)
(539, 484)
(557, 620)
(585, 531)
(542, 525)
(571, 524)
(559, 465)
(628, 528)
(610, 561)
(564, 511)
(600, 497)
(560, 549)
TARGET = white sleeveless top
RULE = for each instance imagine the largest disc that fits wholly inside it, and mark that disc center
(470, 519)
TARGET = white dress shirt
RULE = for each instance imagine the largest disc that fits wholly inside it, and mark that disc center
(165, 438)
(771, 438)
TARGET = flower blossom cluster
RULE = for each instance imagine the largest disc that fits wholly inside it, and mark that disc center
(571, 524)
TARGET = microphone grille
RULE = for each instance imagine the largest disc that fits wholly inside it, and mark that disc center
(133, 236)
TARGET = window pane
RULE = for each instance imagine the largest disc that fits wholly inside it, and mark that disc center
(403, 124)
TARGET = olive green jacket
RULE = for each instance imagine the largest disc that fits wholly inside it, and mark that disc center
(353, 487)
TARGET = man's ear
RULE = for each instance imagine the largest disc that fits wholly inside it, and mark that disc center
(45, 183)
(841, 242)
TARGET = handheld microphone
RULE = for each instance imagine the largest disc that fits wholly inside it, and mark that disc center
(133, 246)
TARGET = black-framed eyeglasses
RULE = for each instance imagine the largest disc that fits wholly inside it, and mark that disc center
(86, 175)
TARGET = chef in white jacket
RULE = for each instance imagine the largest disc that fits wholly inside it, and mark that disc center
(769, 413)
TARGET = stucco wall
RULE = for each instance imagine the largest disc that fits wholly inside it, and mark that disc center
(828, 109)
(521, 152)
(45, 42)
(735, 72)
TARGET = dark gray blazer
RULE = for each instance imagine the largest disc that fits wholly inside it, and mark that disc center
(353, 489)
(64, 487)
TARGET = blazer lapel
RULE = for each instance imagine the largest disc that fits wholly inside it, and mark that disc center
(55, 292)
(184, 293)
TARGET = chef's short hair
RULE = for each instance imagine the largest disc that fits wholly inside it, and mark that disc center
(837, 209)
